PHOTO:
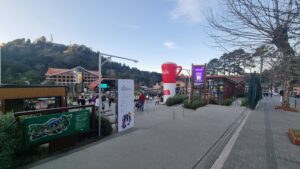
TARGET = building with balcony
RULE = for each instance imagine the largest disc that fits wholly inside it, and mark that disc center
(66, 77)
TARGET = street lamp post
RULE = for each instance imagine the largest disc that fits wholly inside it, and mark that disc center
(189, 85)
(100, 80)
(209, 88)
(0, 66)
(99, 97)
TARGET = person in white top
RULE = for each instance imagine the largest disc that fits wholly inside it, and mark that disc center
(97, 104)
(157, 99)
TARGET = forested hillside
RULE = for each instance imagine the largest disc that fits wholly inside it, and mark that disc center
(24, 61)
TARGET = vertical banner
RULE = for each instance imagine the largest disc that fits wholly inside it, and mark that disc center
(198, 74)
(125, 104)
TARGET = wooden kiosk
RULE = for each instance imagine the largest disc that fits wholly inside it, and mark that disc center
(14, 98)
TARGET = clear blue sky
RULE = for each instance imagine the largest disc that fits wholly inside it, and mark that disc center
(151, 31)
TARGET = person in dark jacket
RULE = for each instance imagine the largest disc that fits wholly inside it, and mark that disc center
(82, 101)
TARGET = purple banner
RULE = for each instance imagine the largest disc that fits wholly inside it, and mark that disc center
(199, 72)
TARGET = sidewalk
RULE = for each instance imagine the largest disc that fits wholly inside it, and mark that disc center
(263, 142)
(164, 138)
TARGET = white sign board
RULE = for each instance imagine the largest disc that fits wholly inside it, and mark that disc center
(125, 104)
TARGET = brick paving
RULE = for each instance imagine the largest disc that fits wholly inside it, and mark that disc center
(263, 142)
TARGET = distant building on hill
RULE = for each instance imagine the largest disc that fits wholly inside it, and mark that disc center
(66, 77)
(78, 76)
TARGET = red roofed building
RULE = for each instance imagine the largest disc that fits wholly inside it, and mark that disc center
(66, 77)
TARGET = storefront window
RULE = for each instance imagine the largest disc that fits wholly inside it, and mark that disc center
(216, 89)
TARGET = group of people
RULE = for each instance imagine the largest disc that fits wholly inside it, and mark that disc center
(266, 94)
(83, 100)
(141, 101)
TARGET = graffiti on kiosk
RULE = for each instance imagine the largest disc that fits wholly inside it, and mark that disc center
(126, 120)
(52, 127)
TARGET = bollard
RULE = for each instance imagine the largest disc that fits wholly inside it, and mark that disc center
(173, 113)
(295, 103)
(147, 108)
(99, 123)
(182, 111)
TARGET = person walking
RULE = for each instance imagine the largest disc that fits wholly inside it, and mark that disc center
(157, 99)
(271, 94)
(281, 95)
(142, 100)
(97, 104)
(82, 101)
(109, 101)
(78, 100)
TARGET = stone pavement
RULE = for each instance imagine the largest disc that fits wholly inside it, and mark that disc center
(263, 142)
(164, 137)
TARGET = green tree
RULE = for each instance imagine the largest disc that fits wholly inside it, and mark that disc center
(256, 22)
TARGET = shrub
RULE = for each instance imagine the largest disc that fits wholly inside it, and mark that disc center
(12, 142)
(212, 101)
(106, 128)
(245, 102)
(177, 99)
(227, 102)
(195, 103)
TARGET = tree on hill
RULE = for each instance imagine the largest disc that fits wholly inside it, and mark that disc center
(23, 60)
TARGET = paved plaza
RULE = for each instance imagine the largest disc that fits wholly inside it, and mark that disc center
(164, 137)
(176, 138)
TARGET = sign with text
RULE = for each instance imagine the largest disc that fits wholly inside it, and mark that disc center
(49, 127)
(125, 104)
(199, 73)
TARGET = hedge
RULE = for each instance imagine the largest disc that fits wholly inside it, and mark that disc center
(227, 102)
(106, 128)
(195, 103)
(245, 102)
(177, 99)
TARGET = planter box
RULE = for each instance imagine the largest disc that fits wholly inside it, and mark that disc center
(293, 137)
